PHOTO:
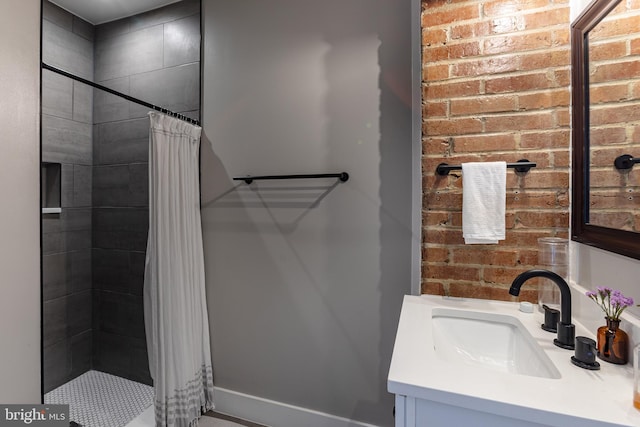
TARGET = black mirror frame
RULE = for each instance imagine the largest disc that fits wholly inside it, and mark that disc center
(619, 241)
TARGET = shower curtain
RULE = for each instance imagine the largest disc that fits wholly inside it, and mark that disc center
(174, 295)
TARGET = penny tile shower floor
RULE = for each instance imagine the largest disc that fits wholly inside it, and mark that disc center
(97, 399)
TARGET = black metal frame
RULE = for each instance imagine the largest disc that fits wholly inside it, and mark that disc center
(618, 241)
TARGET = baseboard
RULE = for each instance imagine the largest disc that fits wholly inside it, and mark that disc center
(275, 414)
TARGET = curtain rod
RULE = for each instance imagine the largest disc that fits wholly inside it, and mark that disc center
(121, 95)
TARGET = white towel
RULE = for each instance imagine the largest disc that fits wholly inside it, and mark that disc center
(483, 202)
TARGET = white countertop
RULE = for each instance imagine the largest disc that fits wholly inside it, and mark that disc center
(580, 398)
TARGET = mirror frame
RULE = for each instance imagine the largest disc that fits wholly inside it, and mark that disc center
(619, 241)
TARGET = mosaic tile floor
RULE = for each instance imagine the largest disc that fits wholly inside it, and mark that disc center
(97, 399)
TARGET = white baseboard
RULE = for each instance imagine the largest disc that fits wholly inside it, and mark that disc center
(275, 414)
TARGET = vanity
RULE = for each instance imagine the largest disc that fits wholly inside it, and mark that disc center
(514, 385)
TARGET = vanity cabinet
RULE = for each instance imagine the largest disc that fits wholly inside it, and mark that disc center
(415, 412)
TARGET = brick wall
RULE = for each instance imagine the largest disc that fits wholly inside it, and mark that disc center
(614, 46)
(496, 78)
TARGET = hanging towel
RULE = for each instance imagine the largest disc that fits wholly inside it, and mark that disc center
(483, 202)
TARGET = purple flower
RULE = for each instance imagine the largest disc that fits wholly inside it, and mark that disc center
(611, 301)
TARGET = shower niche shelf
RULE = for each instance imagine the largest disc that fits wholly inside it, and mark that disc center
(51, 175)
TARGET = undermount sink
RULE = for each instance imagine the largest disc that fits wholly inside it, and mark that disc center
(489, 340)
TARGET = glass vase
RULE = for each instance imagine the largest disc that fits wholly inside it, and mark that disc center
(613, 343)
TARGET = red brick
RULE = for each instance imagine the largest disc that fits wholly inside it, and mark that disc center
(507, 24)
(541, 60)
(435, 109)
(608, 93)
(521, 238)
(433, 54)
(562, 117)
(484, 143)
(510, 7)
(430, 218)
(527, 257)
(483, 104)
(432, 288)
(449, 90)
(546, 99)
(485, 125)
(450, 272)
(607, 50)
(562, 159)
(437, 146)
(518, 43)
(538, 219)
(443, 237)
(634, 46)
(607, 177)
(614, 114)
(522, 82)
(453, 126)
(501, 274)
(488, 256)
(546, 18)
(613, 199)
(618, 27)
(616, 219)
(604, 156)
(607, 136)
(435, 17)
(470, 30)
(545, 179)
(556, 138)
(436, 72)
(481, 66)
(442, 200)
(518, 121)
(610, 72)
(433, 37)
(464, 50)
(436, 254)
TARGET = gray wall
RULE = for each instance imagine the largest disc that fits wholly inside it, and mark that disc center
(305, 278)
(155, 57)
(19, 186)
(66, 241)
(93, 267)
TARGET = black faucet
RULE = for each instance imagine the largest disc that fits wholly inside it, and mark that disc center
(566, 330)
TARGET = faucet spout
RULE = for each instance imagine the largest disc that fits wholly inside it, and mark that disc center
(566, 330)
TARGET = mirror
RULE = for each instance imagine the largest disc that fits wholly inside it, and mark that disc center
(606, 125)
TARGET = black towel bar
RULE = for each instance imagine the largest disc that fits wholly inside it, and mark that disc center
(249, 179)
(522, 165)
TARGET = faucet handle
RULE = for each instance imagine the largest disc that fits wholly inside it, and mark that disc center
(551, 318)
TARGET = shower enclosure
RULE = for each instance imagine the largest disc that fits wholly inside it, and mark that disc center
(95, 185)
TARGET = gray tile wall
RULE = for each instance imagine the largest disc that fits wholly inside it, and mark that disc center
(154, 56)
(67, 133)
(94, 251)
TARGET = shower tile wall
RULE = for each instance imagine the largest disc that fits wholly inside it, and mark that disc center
(66, 240)
(94, 251)
(154, 56)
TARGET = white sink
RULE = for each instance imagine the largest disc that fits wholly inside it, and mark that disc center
(470, 362)
(489, 340)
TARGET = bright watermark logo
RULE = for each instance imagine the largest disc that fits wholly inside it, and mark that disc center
(34, 415)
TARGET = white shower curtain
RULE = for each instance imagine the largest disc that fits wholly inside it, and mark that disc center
(174, 292)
